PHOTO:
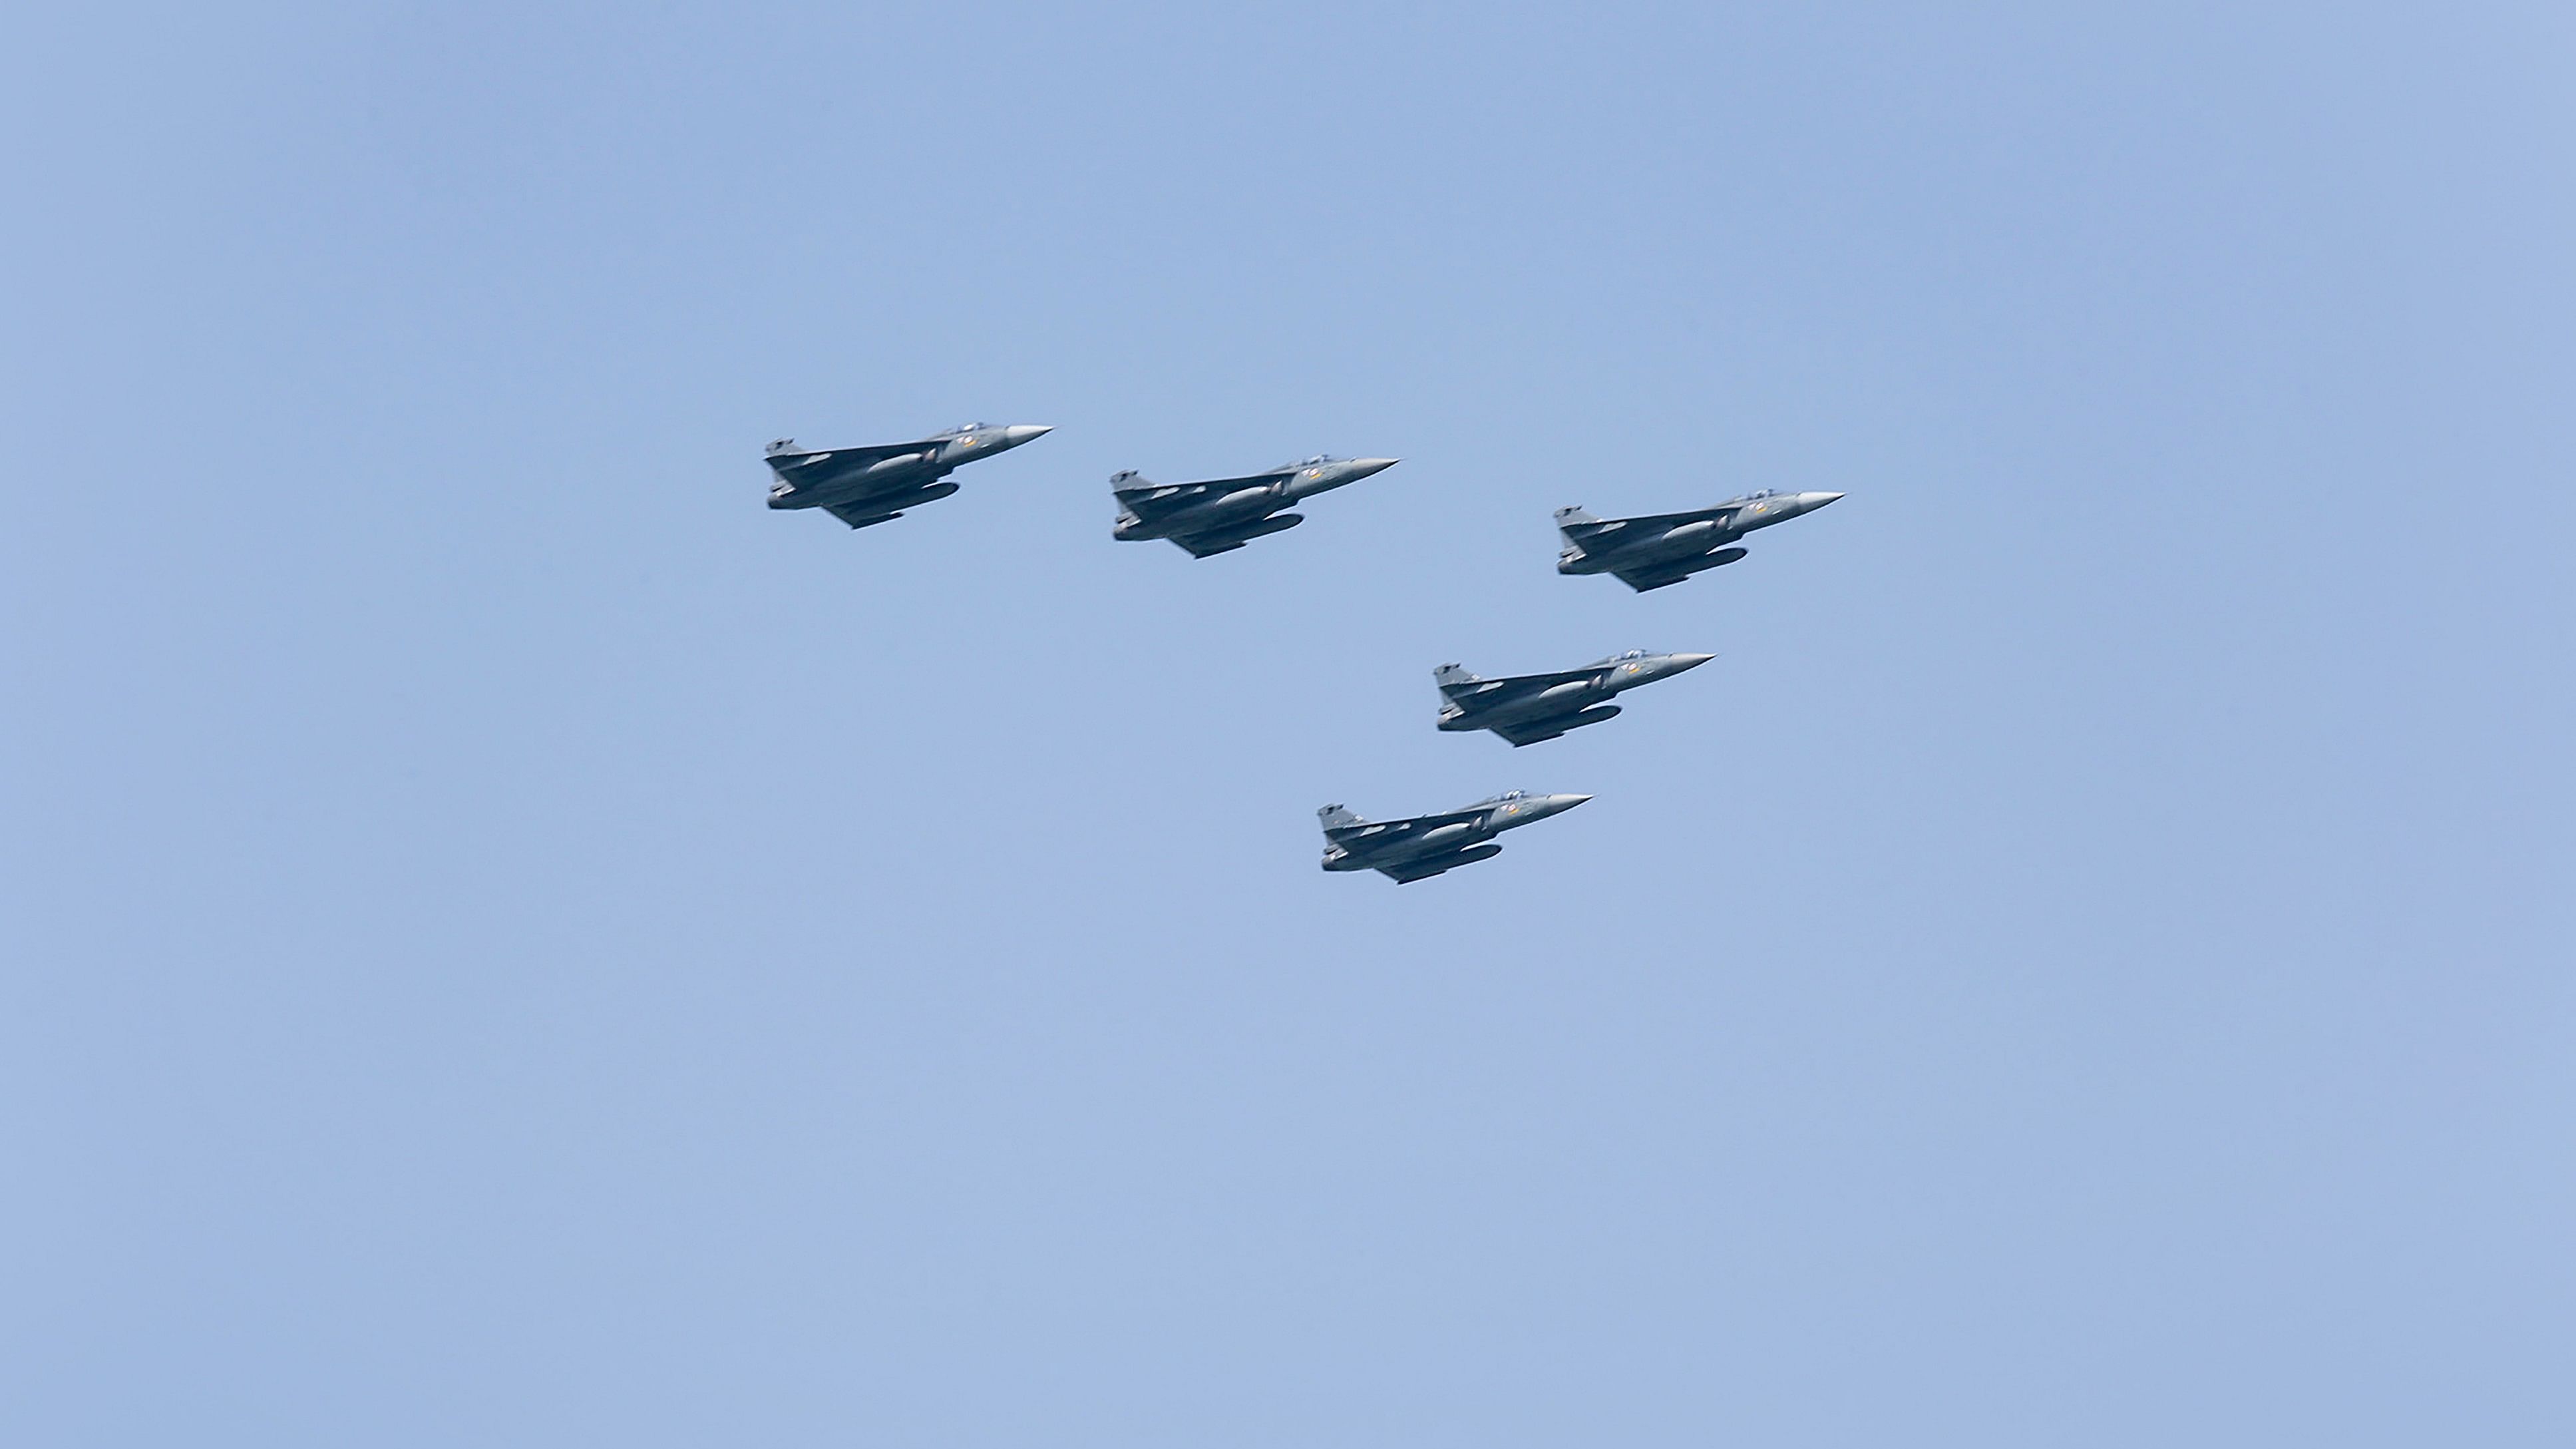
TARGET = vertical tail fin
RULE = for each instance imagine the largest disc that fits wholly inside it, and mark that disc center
(1574, 526)
(1335, 817)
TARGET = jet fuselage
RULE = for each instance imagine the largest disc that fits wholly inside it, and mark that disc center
(1427, 845)
(1525, 709)
(894, 476)
(1219, 516)
(1680, 544)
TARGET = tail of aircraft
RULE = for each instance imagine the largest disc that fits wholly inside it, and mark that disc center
(1122, 484)
(1574, 526)
(1453, 677)
(1336, 817)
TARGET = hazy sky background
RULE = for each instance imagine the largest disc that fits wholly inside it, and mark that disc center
(509, 942)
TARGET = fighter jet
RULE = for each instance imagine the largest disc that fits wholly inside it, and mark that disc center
(1666, 548)
(1528, 708)
(1223, 514)
(1405, 851)
(872, 485)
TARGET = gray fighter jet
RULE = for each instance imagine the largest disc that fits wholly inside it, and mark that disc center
(1528, 708)
(872, 485)
(1666, 548)
(1223, 514)
(1427, 845)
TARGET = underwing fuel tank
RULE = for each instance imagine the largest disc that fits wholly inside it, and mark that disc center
(1212, 515)
(1276, 523)
(1469, 856)
(1242, 498)
(1436, 841)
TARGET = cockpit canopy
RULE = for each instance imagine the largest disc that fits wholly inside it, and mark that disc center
(970, 427)
(1505, 798)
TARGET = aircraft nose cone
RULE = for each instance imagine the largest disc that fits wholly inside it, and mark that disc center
(1363, 467)
(1024, 432)
(1559, 804)
(1681, 662)
(1815, 501)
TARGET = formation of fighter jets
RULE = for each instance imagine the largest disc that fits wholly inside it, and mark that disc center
(866, 486)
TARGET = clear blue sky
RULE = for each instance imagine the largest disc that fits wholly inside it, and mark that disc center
(509, 942)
